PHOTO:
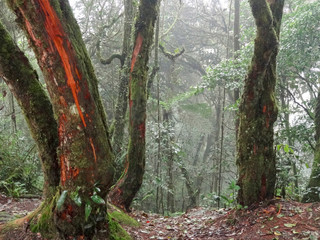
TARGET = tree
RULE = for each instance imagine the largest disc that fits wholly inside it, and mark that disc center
(128, 185)
(313, 191)
(77, 209)
(258, 110)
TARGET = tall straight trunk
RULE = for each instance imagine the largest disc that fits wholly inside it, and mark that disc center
(168, 155)
(221, 147)
(285, 105)
(22, 80)
(127, 187)
(215, 156)
(313, 187)
(122, 99)
(258, 111)
(236, 48)
(86, 160)
(156, 65)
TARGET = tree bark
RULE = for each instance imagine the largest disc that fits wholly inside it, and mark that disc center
(258, 110)
(122, 99)
(127, 187)
(23, 81)
(86, 160)
(313, 187)
(236, 48)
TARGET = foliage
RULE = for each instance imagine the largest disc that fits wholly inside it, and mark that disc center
(20, 170)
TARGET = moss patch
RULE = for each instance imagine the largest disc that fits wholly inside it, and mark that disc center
(123, 219)
(116, 231)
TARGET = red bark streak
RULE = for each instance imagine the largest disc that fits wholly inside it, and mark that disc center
(62, 44)
(37, 42)
(264, 109)
(63, 174)
(63, 101)
(255, 149)
(142, 130)
(136, 50)
(93, 150)
(67, 172)
(268, 121)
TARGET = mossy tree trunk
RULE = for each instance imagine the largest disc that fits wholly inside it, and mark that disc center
(23, 82)
(258, 110)
(313, 187)
(128, 185)
(119, 121)
(84, 150)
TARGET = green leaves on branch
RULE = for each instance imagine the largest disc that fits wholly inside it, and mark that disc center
(97, 199)
(87, 210)
(285, 148)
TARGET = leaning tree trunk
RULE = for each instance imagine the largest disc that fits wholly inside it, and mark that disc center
(22, 80)
(84, 149)
(313, 187)
(258, 110)
(127, 186)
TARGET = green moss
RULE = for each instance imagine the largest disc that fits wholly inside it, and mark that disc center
(116, 231)
(122, 218)
(42, 220)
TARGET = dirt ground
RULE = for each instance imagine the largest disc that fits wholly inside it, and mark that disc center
(277, 219)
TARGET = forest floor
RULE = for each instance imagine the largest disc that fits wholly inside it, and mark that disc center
(277, 219)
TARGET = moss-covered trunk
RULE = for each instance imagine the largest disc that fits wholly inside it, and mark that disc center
(84, 149)
(119, 122)
(127, 186)
(313, 187)
(258, 109)
(23, 82)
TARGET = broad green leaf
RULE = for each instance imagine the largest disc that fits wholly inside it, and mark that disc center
(286, 148)
(77, 200)
(61, 199)
(87, 211)
(97, 199)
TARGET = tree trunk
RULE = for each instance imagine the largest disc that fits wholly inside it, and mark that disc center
(122, 99)
(258, 110)
(168, 155)
(236, 48)
(127, 187)
(84, 149)
(23, 81)
(313, 187)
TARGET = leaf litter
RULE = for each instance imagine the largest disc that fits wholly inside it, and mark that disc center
(276, 219)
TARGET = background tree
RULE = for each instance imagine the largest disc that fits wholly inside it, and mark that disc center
(258, 111)
(129, 184)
